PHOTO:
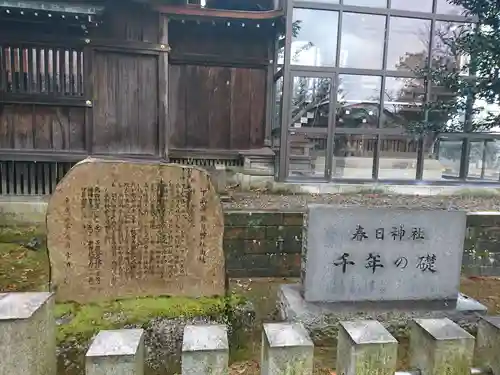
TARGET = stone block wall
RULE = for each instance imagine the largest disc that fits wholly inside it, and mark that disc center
(268, 244)
(263, 244)
(482, 244)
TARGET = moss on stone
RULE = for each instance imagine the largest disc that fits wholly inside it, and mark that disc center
(82, 321)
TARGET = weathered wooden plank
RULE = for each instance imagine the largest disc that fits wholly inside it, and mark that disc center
(76, 129)
(177, 106)
(163, 120)
(147, 124)
(19, 122)
(240, 108)
(43, 129)
(219, 108)
(196, 123)
(5, 130)
(126, 106)
(257, 107)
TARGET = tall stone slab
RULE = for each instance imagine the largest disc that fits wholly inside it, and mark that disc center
(27, 334)
(131, 228)
(381, 254)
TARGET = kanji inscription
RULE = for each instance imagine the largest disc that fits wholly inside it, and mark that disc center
(381, 254)
(135, 229)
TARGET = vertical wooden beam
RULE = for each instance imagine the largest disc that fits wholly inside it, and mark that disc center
(163, 120)
(88, 92)
(270, 97)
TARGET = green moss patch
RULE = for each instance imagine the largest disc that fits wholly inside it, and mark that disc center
(82, 321)
(23, 269)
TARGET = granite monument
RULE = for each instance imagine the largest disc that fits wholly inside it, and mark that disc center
(378, 254)
(389, 264)
(129, 228)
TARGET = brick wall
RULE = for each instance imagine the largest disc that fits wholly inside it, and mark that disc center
(268, 244)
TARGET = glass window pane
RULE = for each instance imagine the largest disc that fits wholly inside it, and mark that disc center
(398, 158)
(314, 41)
(409, 42)
(362, 43)
(403, 99)
(417, 6)
(444, 7)
(442, 161)
(353, 156)
(307, 154)
(310, 102)
(367, 3)
(484, 160)
(358, 101)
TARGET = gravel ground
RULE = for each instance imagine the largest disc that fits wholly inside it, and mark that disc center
(257, 201)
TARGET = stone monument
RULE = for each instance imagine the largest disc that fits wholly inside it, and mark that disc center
(130, 228)
(373, 263)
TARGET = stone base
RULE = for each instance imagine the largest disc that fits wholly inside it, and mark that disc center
(321, 319)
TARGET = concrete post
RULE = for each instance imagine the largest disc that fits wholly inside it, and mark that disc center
(488, 343)
(365, 348)
(119, 352)
(286, 350)
(440, 347)
(205, 350)
(27, 334)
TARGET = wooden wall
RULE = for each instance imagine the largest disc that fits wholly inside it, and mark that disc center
(216, 107)
(118, 88)
(125, 109)
(217, 85)
(34, 127)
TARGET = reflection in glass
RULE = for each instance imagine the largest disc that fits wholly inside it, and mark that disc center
(447, 153)
(310, 102)
(409, 42)
(278, 105)
(314, 41)
(398, 158)
(403, 98)
(358, 101)
(362, 41)
(444, 7)
(444, 55)
(484, 163)
(307, 154)
(416, 6)
(353, 156)
(367, 3)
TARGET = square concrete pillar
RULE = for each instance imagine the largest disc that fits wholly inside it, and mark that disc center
(118, 352)
(27, 334)
(440, 347)
(488, 343)
(205, 350)
(365, 347)
(287, 349)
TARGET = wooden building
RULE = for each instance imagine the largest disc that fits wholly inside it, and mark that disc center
(164, 80)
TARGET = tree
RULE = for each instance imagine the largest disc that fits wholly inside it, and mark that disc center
(463, 71)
